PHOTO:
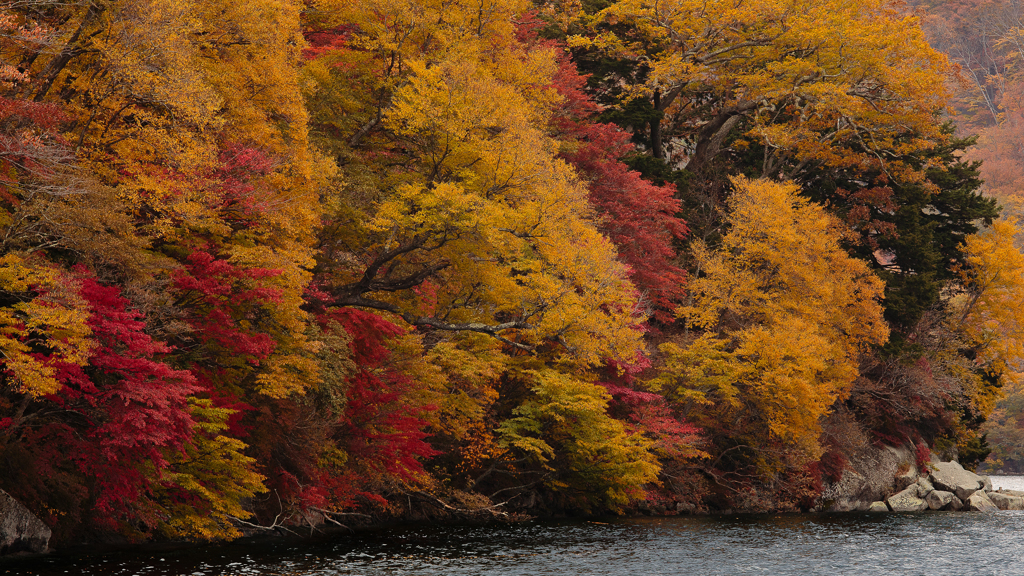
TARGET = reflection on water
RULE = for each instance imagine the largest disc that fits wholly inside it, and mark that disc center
(834, 545)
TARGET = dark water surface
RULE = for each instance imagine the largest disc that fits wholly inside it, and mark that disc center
(929, 543)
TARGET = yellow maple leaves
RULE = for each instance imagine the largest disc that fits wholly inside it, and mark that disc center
(786, 313)
(42, 323)
(566, 419)
(831, 82)
(484, 201)
(217, 477)
(988, 315)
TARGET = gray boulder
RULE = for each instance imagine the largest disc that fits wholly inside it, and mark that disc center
(685, 508)
(924, 487)
(955, 506)
(1011, 492)
(871, 477)
(1005, 501)
(906, 501)
(951, 477)
(878, 506)
(979, 502)
(986, 483)
(20, 530)
(906, 479)
(939, 499)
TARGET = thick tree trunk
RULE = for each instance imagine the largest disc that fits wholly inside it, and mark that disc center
(656, 147)
(71, 49)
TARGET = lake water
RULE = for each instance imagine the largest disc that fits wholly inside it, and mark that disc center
(927, 543)
(1008, 482)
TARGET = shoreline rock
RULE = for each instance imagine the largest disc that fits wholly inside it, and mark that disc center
(888, 477)
(20, 529)
(951, 477)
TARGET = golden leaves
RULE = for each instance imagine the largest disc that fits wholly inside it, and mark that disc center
(215, 474)
(991, 313)
(42, 324)
(567, 418)
(834, 82)
(485, 193)
(786, 312)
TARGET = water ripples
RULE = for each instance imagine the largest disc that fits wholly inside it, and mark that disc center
(834, 545)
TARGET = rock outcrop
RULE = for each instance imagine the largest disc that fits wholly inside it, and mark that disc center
(872, 478)
(20, 530)
(951, 477)
(1006, 501)
(906, 501)
(979, 502)
(888, 479)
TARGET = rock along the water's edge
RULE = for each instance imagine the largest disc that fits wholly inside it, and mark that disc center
(20, 529)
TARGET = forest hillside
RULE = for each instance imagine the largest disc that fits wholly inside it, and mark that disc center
(279, 262)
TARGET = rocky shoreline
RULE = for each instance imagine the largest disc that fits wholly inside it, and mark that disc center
(947, 486)
(884, 479)
(889, 480)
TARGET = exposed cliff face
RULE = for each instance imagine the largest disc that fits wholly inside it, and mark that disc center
(20, 530)
(874, 475)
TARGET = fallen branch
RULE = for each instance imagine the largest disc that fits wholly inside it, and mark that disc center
(493, 509)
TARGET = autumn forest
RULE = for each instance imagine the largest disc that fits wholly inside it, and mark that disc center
(273, 263)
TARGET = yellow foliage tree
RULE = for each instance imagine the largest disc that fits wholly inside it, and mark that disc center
(586, 452)
(205, 489)
(989, 314)
(457, 216)
(42, 323)
(850, 84)
(785, 314)
(486, 210)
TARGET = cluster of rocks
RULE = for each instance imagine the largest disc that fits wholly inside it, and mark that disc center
(887, 480)
(946, 487)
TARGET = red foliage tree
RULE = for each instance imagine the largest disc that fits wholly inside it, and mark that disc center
(383, 425)
(224, 302)
(98, 445)
(638, 217)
